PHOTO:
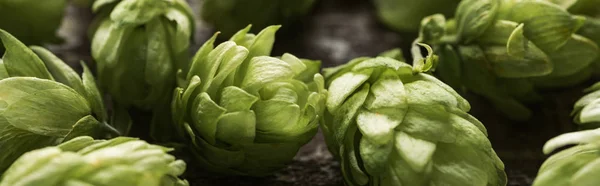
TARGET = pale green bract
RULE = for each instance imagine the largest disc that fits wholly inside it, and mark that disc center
(32, 21)
(83, 161)
(578, 165)
(508, 50)
(405, 15)
(391, 124)
(138, 45)
(229, 16)
(44, 102)
(243, 112)
(587, 109)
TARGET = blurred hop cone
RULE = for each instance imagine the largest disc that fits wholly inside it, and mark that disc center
(33, 22)
(229, 16)
(506, 50)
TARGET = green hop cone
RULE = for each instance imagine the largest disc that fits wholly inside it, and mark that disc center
(32, 21)
(507, 50)
(44, 102)
(138, 45)
(578, 165)
(243, 112)
(405, 15)
(390, 124)
(82, 161)
(229, 16)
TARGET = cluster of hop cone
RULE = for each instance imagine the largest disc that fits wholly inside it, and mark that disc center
(239, 111)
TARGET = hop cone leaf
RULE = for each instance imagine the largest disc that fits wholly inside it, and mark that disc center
(138, 45)
(243, 112)
(405, 15)
(506, 51)
(388, 123)
(45, 102)
(32, 21)
(229, 16)
(573, 166)
(82, 161)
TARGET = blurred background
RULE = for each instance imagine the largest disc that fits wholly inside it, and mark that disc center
(336, 31)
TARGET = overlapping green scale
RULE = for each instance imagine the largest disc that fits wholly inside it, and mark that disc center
(138, 45)
(83, 161)
(575, 165)
(507, 51)
(390, 123)
(44, 102)
(246, 113)
(591, 11)
(586, 110)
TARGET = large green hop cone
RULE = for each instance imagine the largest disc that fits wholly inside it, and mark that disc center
(243, 112)
(390, 124)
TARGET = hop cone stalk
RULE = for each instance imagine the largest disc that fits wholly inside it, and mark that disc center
(574, 166)
(507, 50)
(44, 102)
(405, 15)
(82, 161)
(138, 45)
(32, 21)
(390, 124)
(229, 16)
(243, 112)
